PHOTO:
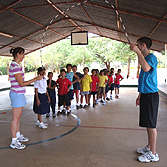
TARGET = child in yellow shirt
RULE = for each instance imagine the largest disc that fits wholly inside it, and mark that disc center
(86, 86)
(102, 84)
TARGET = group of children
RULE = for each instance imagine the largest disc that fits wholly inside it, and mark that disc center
(70, 83)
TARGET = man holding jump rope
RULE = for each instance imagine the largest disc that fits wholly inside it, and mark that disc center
(148, 98)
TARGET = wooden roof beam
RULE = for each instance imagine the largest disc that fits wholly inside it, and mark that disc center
(57, 9)
(116, 30)
(127, 12)
(28, 35)
(90, 19)
(157, 25)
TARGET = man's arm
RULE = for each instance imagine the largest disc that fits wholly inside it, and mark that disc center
(144, 65)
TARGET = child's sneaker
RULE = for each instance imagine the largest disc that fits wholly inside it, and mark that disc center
(101, 101)
(16, 144)
(108, 99)
(143, 150)
(104, 103)
(63, 111)
(37, 123)
(68, 112)
(54, 115)
(23, 139)
(80, 106)
(42, 126)
(149, 157)
(77, 107)
(85, 106)
(47, 115)
(58, 112)
(94, 104)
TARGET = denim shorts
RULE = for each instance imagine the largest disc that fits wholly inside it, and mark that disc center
(117, 86)
(84, 93)
(17, 100)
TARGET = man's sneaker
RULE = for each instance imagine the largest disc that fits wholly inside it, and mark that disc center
(108, 99)
(143, 150)
(42, 126)
(23, 139)
(16, 144)
(37, 123)
(77, 107)
(149, 157)
(54, 115)
(58, 112)
(47, 115)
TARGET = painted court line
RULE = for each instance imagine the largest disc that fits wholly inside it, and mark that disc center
(112, 128)
(54, 138)
(98, 127)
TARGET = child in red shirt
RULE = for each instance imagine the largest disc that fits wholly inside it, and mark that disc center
(111, 83)
(107, 73)
(118, 78)
(64, 86)
(95, 86)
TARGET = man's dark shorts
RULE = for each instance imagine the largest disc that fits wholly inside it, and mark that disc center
(149, 103)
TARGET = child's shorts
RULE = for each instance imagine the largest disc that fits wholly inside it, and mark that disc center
(43, 108)
(84, 93)
(70, 94)
(101, 90)
(107, 88)
(62, 99)
(112, 86)
(17, 100)
(117, 86)
(93, 92)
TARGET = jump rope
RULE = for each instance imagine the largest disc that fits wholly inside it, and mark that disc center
(73, 6)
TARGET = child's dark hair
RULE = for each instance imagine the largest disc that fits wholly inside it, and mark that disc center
(85, 68)
(106, 71)
(97, 70)
(14, 51)
(50, 73)
(62, 70)
(119, 70)
(40, 69)
(93, 70)
(112, 69)
(145, 40)
(74, 66)
(111, 72)
(69, 65)
(101, 71)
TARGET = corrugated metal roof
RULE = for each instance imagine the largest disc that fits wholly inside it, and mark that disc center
(26, 21)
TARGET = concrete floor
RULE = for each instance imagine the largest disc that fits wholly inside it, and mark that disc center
(107, 136)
